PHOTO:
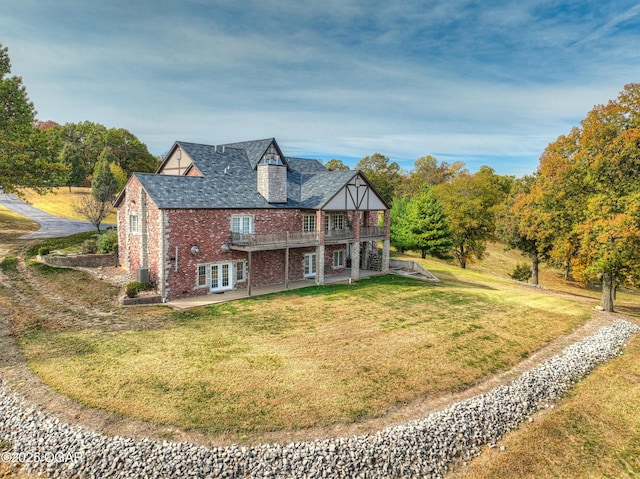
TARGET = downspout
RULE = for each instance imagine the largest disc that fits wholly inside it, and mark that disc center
(164, 250)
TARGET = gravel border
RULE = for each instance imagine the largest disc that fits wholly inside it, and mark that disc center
(423, 448)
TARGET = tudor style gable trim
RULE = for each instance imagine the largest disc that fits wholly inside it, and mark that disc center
(357, 194)
(176, 162)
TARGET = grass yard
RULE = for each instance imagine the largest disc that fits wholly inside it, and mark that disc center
(13, 225)
(315, 357)
(594, 432)
(499, 263)
(60, 201)
(297, 359)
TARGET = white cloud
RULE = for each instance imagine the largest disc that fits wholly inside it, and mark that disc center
(344, 77)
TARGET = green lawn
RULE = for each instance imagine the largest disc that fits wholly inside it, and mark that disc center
(330, 355)
(315, 357)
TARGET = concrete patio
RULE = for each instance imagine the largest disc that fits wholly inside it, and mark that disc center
(214, 298)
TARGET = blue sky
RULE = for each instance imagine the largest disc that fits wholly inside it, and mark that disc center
(484, 82)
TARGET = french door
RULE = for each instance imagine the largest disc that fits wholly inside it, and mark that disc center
(310, 264)
(220, 277)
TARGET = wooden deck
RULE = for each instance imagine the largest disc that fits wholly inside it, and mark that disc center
(299, 239)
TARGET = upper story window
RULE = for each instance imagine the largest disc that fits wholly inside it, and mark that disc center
(242, 224)
(334, 222)
(134, 224)
(271, 156)
(309, 223)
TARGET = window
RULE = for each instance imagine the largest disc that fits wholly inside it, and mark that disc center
(202, 276)
(271, 156)
(334, 222)
(338, 258)
(309, 223)
(241, 224)
(134, 226)
(225, 276)
(240, 271)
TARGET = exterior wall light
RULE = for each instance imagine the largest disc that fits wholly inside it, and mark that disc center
(225, 247)
(195, 250)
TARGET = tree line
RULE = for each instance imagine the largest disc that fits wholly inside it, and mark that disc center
(579, 211)
(40, 155)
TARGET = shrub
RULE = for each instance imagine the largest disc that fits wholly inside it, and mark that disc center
(108, 242)
(43, 251)
(9, 263)
(133, 288)
(90, 246)
(522, 272)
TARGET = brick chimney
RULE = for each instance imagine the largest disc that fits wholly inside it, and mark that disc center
(272, 182)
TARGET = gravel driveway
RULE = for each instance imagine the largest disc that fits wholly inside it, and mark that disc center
(51, 226)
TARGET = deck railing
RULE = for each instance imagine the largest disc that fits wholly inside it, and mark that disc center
(300, 238)
(371, 232)
(287, 238)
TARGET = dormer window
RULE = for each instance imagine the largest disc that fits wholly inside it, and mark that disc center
(271, 156)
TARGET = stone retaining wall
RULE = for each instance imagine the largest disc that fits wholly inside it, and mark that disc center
(81, 260)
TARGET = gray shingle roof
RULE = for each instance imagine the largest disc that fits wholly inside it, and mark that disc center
(230, 180)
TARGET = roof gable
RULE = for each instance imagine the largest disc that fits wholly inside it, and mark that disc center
(357, 194)
(175, 162)
(255, 149)
(225, 176)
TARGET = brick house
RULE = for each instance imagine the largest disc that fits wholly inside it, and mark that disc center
(221, 217)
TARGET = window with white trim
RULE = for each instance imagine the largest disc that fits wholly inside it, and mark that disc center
(202, 276)
(240, 271)
(309, 223)
(134, 224)
(242, 224)
(338, 258)
(334, 222)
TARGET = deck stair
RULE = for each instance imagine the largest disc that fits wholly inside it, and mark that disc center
(412, 269)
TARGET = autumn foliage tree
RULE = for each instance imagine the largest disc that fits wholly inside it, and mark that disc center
(590, 194)
(471, 202)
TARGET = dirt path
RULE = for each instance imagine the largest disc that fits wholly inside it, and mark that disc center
(15, 372)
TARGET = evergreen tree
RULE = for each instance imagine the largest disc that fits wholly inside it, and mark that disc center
(429, 227)
(400, 234)
(24, 155)
(103, 184)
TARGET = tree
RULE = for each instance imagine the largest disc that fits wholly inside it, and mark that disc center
(383, 175)
(589, 184)
(470, 201)
(428, 171)
(97, 206)
(119, 175)
(519, 225)
(429, 228)
(87, 141)
(610, 244)
(93, 209)
(130, 153)
(103, 184)
(25, 160)
(72, 157)
(336, 165)
(609, 157)
(400, 233)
